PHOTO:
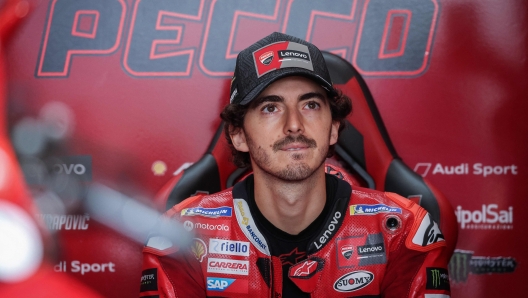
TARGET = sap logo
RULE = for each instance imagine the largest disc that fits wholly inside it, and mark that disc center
(353, 281)
(218, 284)
(229, 247)
(487, 215)
(327, 234)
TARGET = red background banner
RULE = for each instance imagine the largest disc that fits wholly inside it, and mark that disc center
(139, 85)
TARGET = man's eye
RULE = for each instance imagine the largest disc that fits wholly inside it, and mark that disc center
(269, 109)
(312, 105)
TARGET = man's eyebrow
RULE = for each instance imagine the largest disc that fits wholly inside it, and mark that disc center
(312, 95)
(269, 98)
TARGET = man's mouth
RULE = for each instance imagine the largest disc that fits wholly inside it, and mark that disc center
(298, 143)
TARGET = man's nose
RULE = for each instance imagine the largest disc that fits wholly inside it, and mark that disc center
(294, 122)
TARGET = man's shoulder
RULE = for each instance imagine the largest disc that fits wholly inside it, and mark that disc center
(204, 203)
(362, 197)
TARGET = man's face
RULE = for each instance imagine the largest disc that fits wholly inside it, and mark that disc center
(288, 129)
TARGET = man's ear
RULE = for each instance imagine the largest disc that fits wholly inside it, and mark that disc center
(238, 138)
(334, 132)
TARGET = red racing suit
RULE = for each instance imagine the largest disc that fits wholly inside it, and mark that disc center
(372, 244)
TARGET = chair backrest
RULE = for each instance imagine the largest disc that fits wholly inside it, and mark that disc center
(364, 150)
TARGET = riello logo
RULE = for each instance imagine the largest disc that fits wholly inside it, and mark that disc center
(489, 217)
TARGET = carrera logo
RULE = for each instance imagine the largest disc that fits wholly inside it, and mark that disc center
(207, 212)
(267, 57)
(227, 266)
(306, 268)
(353, 281)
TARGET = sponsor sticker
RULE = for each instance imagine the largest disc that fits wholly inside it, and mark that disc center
(208, 227)
(227, 266)
(428, 232)
(228, 285)
(247, 224)
(149, 280)
(58, 222)
(360, 250)
(477, 169)
(229, 247)
(208, 212)
(353, 281)
(363, 209)
(487, 218)
(198, 249)
(463, 263)
(288, 54)
(330, 230)
(437, 279)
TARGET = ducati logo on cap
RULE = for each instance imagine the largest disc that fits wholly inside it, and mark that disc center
(266, 58)
(289, 54)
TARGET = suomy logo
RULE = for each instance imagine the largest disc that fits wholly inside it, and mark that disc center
(353, 281)
(330, 230)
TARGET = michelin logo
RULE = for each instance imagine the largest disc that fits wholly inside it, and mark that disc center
(363, 209)
(208, 212)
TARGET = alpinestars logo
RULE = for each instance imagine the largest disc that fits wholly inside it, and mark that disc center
(428, 232)
(305, 269)
(463, 263)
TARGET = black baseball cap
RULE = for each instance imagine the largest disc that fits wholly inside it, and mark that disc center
(276, 56)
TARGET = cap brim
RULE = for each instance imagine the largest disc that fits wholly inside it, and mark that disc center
(286, 72)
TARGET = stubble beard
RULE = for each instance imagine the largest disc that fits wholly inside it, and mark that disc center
(296, 171)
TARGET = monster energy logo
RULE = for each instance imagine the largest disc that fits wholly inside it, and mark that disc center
(463, 262)
(437, 279)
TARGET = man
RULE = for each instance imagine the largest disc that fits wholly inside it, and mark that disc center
(289, 229)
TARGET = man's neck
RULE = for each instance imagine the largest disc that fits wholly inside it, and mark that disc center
(290, 206)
